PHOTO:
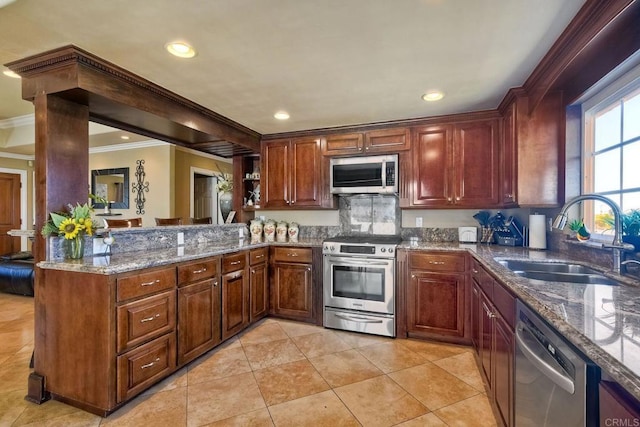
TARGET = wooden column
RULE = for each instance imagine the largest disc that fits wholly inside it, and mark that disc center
(61, 176)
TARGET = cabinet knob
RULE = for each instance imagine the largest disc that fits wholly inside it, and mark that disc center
(293, 201)
(367, 148)
(449, 199)
(215, 283)
(359, 148)
(458, 198)
(308, 268)
(413, 276)
(475, 271)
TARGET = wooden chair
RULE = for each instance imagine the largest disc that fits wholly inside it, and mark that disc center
(123, 223)
(168, 221)
(205, 220)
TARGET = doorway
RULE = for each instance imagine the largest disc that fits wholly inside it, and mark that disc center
(11, 215)
(204, 196)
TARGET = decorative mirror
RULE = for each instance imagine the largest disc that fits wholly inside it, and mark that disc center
(112, 185)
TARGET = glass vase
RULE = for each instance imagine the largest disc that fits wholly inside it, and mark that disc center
(225, 205)
(75, 248)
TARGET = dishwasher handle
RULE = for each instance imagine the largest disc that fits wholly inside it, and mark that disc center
(549, 371)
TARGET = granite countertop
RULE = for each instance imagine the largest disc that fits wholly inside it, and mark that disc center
(602, 321)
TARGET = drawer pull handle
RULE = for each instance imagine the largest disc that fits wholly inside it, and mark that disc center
(235, 262)
(292, 254)
(475, 271)
(437, 262)
(153, 282)
(202, 270)
(150, 364)
(259, 256)
(149, 319)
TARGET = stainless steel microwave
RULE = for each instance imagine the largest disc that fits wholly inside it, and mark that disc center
(368, 174)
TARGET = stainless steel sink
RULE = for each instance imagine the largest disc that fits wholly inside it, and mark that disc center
(557, 272)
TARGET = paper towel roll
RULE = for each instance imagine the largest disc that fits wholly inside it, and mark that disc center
(537, 231)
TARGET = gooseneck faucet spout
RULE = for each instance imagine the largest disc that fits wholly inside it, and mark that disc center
(616, 245)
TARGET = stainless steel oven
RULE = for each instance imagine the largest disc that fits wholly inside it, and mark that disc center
(359, 283)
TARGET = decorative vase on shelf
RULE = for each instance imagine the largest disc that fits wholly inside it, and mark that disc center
(74, 248)
(225, 205)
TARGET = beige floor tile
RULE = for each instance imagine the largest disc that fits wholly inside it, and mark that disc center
(14, 372)
(176, 380)
(322, 409)
(427, 420)
(219, 364)
(315, 345)
(433, 350)
(345, 367)
(380, 402)
(475, 411)
(263, 332)
(296, 329)
(12, 405)
(272, 353)
(76, 419)
(223, 398)
(259, 418)
(464, 367)
(392, 356)
(168, 408)
(356, 340)
(289, 382)
(432, 385)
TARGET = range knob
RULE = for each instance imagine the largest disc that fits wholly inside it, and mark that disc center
(326, 248)
(333, 248)
(383, 250)
(390, 250)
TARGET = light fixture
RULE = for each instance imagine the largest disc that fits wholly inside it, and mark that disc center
(125, 137)
(433, 95)
(281, 115)
(10, 73)
(180, 49)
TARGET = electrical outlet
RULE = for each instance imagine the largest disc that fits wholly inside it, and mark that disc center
(418, 221)
(241, 232)
(180, 239)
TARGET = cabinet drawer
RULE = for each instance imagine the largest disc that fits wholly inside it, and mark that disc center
(483, 279)
(234, 262)
(139, 321)
(198, 270)
(437, 261)
(147, 364)
(284, 254)
(147, 283)
(257, 256)
(505, 303)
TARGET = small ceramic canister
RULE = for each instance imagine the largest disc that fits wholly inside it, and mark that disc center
(269, 231)
(256, 231)
(281, 231)
(293, 232)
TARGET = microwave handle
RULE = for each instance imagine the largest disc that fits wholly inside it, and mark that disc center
(384, 173)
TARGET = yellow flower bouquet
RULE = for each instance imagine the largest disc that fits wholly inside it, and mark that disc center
(73, 226)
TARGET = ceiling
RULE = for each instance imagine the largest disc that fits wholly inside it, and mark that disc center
(327, 63)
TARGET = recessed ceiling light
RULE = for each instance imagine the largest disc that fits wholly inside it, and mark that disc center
(125, 137)
(433, 95)
(10, 73)
(281, 115)
(181, 49)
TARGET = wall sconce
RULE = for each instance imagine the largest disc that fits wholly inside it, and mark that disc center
(140, 187)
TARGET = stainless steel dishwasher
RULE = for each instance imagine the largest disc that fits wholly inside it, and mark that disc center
(555, 385)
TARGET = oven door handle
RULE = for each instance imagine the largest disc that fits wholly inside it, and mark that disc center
(357, 319)
(549, 371)
(357, 261)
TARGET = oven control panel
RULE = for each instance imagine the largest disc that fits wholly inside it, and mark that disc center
(387, 251)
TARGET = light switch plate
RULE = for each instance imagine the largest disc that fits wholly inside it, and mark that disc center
(180, 239)
(418, 221)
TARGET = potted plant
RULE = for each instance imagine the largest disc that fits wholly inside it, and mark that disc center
(582, 233)
(630, 227)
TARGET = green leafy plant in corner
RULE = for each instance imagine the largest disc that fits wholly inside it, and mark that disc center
(630, 222)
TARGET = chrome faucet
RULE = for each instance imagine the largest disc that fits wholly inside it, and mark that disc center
(616, 245)
(630, 261)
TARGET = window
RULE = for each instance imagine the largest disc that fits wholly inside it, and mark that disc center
(612, 155)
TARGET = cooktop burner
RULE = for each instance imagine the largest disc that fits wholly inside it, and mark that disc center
(373, 239)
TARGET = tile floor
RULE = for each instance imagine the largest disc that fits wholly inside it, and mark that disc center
(276, 373)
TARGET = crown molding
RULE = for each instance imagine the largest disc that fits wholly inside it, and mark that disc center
(14, 122)
(17, 156)
(128, 146)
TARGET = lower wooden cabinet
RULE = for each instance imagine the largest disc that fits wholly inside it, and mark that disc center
(617, 406)
(436, 296)
(235, 294)
(291, 283)
(258, 284)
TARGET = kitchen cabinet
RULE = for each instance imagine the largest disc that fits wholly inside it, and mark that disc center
(457, 165)
(495, 311)
(291, 284)
(436, 298)
(258, 284)
(235, 294)
(293, 174)
(199, 311)
(382, 141)
(617, 406)
(245, 191)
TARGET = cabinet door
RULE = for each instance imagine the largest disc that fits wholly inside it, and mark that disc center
(475, 316)
(198, 319)
(235, 303)
(509, 157)
(476, 168)
(432, 166)
(436, 305)
(341, 144)
(275, 174)
(486, 338)
(306, 173)
(503, 370)
(387, 140)
(291, 291)
(258, 292)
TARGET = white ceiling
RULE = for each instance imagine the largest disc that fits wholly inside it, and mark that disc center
(326, 62)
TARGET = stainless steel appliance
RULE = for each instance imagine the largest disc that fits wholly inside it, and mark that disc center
(359, 283)
(553, 382)
(366, 174)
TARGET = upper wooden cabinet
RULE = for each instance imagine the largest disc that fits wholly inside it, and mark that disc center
(457, 166)
(293, 174)
(376, 141)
